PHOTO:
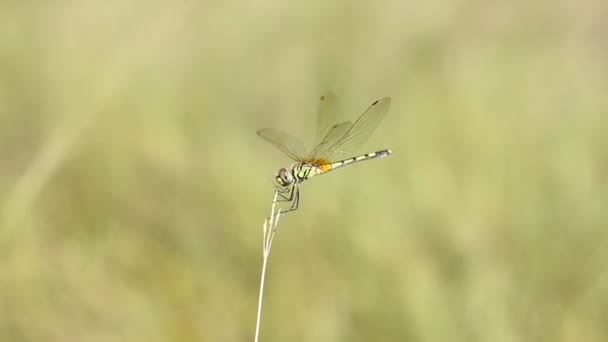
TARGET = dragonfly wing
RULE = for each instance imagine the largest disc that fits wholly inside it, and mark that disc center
(359, 132)
(331, 138)
(328, 115)
(285, 142)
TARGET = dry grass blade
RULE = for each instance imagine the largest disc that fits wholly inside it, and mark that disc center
(269, 229)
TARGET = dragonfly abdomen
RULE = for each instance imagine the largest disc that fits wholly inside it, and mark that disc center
(367, 156)
(304, 171)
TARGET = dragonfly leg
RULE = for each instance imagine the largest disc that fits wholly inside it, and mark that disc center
(294, 199)
(285, 194)
(289, 194)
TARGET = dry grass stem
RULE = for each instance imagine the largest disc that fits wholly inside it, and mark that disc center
(268, 231)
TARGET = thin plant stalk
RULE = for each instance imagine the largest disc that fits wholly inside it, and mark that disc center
(269, 229)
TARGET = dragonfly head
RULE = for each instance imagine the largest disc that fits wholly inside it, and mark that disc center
(284, 177)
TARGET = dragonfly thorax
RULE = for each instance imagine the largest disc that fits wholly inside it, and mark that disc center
(297, 173)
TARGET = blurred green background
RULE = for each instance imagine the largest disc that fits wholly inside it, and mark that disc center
(133, 186)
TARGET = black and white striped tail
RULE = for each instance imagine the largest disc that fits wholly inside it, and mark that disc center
(367, 156)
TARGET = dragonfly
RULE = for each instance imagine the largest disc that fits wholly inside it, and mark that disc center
(334, 141)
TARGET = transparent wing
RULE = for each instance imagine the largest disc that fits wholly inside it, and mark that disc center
(357, 134)
(331, 138)
(328, 116)
(287, 143)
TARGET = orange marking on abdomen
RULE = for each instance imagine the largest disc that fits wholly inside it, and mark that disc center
(324, 167)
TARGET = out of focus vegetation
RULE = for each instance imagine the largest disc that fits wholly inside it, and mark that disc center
(133, 187)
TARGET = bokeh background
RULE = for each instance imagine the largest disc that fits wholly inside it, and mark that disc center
(133, 187)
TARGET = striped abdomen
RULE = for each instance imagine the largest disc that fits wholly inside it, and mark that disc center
(303, 171)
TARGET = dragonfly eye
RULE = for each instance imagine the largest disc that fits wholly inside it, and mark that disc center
(284, 178)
